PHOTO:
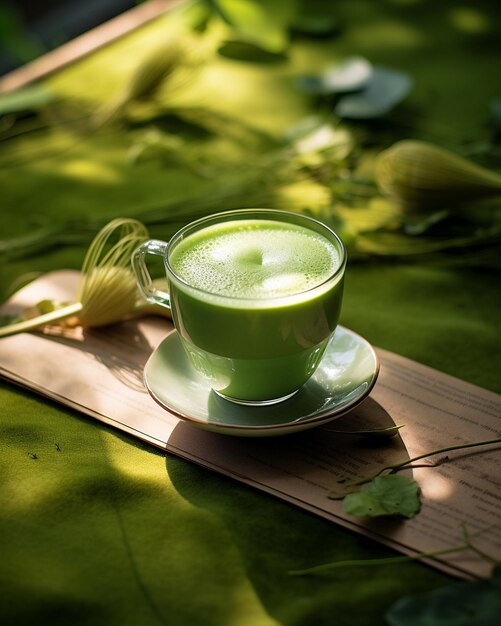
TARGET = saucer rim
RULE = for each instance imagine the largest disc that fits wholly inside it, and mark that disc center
(270, 427)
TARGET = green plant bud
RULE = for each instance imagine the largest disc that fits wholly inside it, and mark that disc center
(420, 175)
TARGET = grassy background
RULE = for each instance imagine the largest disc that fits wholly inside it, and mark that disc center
(108, 531)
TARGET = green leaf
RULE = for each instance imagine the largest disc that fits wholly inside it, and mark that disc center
(476, 603)
(383, 91)
(316, 26)
(385, 495)
(5, 320)
(352, 74)
(196, 15)
(418, 226)
(303, 127)
(45, 306)
(321, 138)
(244, 51)
(31, 98)
(262, 25)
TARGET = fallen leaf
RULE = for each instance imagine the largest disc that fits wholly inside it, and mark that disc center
(383, 91)
(385, 495)
(476, 603)
(350, 75)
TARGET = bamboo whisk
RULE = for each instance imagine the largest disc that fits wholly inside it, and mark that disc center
(107, 291)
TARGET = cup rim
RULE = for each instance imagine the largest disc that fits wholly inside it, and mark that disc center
(285, 299)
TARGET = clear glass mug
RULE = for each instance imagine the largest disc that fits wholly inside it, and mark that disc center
(250, 351)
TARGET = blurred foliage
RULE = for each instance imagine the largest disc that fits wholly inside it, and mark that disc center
(472, 603)
(186, 106)
(15, 40)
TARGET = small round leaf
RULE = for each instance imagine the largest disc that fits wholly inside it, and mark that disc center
(476, 603)
(385, 495)
(384, 90)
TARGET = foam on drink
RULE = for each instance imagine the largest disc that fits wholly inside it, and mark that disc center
(255, 259)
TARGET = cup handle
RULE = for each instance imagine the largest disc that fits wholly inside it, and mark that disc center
(144, 282)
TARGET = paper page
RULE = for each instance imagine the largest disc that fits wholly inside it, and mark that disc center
(105, 381)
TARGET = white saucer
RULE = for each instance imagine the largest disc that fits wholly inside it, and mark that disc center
(345, 376)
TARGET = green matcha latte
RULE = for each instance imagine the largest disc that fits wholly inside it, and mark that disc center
(255, 297)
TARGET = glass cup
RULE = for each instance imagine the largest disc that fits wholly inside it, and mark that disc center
(254, 351)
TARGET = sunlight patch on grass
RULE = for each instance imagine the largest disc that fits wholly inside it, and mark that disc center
(387, 34)
(90, 171)
(468, 20)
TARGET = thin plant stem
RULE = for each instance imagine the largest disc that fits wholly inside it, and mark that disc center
(327, 567)
(396, 466)
(461, 446)
(41, 320)
(387, 432)
(467, 545)
(32, 126)
(467, 540)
